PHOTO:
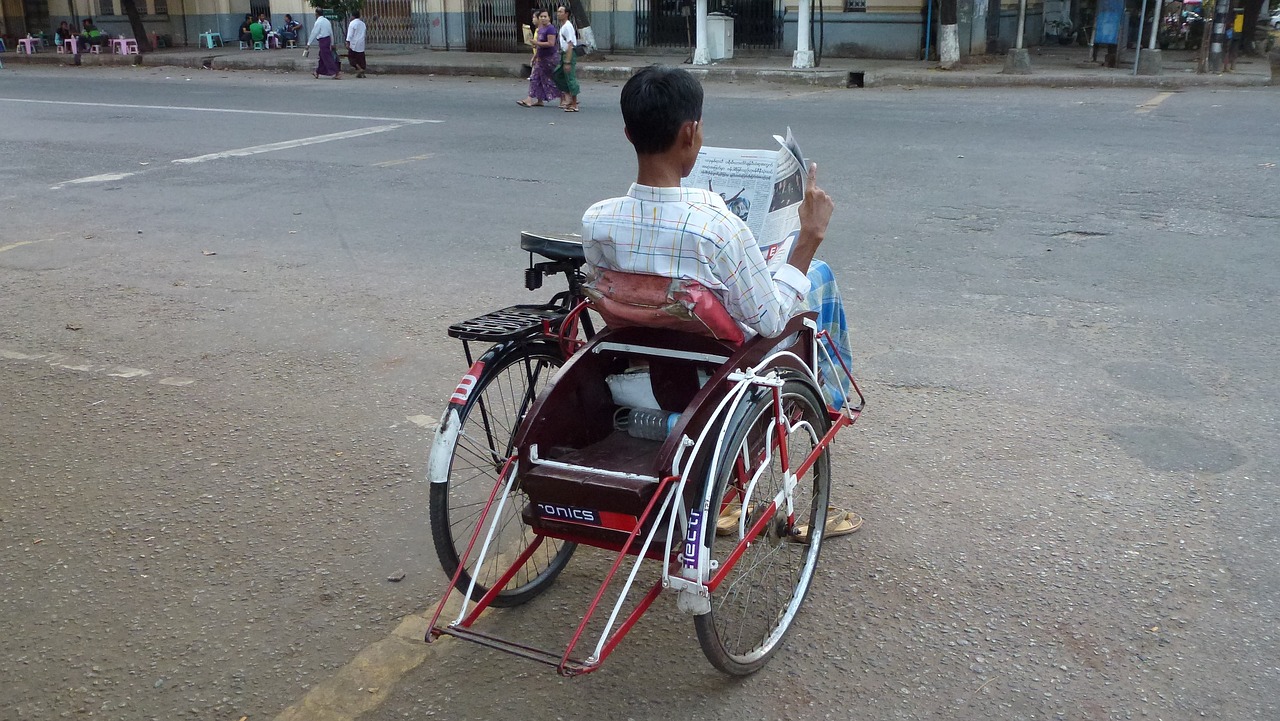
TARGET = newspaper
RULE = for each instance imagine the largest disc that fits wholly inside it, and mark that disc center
(763, 187)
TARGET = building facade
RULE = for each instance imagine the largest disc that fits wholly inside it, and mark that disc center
(841, 28)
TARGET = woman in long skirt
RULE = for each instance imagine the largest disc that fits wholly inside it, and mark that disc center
(541, 85)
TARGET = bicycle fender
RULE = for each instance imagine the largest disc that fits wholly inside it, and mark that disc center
(446, 435)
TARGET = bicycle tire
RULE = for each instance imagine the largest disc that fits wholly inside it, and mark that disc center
(477, 446)
(752, 609)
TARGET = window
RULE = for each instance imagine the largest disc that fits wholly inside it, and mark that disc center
(855, 6)
(160, 7)
(106, 7)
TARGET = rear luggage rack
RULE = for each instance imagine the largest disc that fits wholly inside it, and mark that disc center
(509, 323)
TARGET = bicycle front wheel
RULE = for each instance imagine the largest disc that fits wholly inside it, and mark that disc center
(477, 447)
(754, 605)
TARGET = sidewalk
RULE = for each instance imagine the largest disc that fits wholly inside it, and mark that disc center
(1051, 66)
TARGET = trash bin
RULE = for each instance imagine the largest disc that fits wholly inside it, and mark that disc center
(719, 36)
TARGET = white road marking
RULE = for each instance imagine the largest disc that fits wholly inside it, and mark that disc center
(389, 163)
(58, 360)
(411, 121)
(21, 243)
(104, 178)
(1153, 103)
(123, 372)
(287, 144)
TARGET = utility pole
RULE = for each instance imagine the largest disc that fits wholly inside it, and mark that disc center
(1018, 61)
(1149, 61)
(701, 56)
(803, 57)
(1217, 44)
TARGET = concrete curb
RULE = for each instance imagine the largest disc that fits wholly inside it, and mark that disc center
(88, 59)
(1061, 80)
(818, 78)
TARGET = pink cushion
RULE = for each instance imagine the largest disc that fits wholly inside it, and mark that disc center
(653, 301)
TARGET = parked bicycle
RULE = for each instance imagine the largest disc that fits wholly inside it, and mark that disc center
(527, 345)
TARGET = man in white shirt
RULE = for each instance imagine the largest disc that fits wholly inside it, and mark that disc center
(566, 75)
(322, 36)
(355, 43)
(660, 228)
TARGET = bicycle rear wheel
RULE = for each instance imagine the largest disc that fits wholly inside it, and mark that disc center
(756, 602)
(477, 446)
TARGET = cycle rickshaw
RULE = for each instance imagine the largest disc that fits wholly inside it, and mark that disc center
(723, 482)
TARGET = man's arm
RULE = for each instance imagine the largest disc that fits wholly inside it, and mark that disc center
(815, 215)
(761, 300)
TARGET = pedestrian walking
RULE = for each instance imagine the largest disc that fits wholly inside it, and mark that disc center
(565, 75)
(530, 31)
(355, 44)
(322, 36)
(541, 85)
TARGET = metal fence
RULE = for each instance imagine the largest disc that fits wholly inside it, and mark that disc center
(757, 24)
(396, 22)
(493, 26)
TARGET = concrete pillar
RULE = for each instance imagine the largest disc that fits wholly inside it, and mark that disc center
(701, 56)
(1018, 61)
(1150, 62)
(803, 57)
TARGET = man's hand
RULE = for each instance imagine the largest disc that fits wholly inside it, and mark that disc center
(816, 210)
(815, 214)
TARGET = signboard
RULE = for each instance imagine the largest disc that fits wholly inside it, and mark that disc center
(1106, 30)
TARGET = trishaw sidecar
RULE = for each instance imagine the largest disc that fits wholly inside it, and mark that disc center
(725, 490)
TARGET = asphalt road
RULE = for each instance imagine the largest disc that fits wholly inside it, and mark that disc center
(214, 367)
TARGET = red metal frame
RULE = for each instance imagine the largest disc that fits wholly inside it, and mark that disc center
(564, 663)
(462, 562)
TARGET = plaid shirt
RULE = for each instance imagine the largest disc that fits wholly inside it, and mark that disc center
(688, 233)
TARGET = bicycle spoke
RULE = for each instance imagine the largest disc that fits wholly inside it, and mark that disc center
(502, 396)
(754, 604)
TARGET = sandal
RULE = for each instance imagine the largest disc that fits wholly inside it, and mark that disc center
(727, 523)
(839, 523)
(571, 109)
(523, 104)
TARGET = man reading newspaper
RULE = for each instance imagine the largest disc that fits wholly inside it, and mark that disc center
(661, 228)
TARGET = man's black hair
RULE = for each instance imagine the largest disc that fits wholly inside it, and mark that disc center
(355, 14)
(655, 102)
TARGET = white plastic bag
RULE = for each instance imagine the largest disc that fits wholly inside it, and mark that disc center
(306, 52)
(632, 389)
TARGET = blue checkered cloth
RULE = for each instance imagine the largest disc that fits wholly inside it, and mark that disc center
(824, 298)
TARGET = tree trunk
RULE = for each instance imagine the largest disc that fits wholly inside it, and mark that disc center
(135, 22)
(581, 16)
(949, 38)
(1252, 9)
